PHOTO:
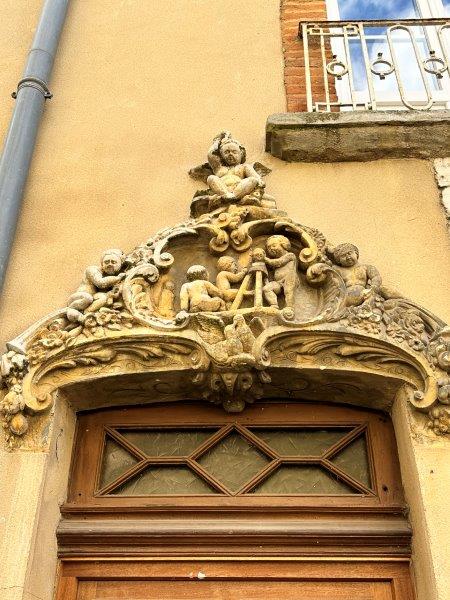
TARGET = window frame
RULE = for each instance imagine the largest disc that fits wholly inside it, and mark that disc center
(83, 496)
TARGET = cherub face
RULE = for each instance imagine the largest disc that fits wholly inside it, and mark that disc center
(258, 254)
(348, 258)
(233, 267)
(111, 264)
(231, 153)
(275, 248)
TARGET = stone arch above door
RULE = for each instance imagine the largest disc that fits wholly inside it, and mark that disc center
(236, 304)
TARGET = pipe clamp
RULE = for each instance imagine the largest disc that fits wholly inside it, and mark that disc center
(36, 83)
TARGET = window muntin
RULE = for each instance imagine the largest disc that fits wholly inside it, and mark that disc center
(235, 460)
(115, 469)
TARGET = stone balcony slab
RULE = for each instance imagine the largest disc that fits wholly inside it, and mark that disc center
(358, 135)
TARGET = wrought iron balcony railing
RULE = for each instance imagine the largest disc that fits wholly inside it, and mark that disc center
(376, 65)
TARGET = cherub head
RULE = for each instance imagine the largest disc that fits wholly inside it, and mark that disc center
(111, 261)
(197, 272)
(277, 245)
(346, 255)
(258, 254)
(227, 263)
(231, 151)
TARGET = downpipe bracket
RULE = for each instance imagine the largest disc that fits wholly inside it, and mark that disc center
(36, 83)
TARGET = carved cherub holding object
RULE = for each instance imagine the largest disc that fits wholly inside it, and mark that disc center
(361, 281)
(199, 294)
(284, 265)
(93, 292)
(228, 273)
(228, 175)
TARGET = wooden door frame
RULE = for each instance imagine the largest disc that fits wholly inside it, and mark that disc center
(395, 572)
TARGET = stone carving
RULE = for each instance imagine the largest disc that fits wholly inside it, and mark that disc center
(228, 273)
(439, 420)
(229, 177)
(97, 289)
(230, 229)
(233, 389)
(199, 294)
(13, 369)
(284, 265)
(231, 344)
(362, 281)
(229, 306)
(232, 178)
(167, 300)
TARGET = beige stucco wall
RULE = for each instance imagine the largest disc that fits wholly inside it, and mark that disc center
(140, 88)
(426, 480)
(33, 485)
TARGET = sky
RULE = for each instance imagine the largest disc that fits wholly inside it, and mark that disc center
(377, 9)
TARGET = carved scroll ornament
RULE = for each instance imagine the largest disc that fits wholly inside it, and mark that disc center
(236, 304)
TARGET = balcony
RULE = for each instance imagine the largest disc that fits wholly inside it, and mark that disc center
(373, 89)
(372, 65)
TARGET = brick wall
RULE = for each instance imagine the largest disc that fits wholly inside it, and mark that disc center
(293, 11)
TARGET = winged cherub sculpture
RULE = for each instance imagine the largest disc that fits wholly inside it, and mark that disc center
(230, 178)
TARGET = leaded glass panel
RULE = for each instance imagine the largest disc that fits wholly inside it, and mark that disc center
(302, 479)
(353, 460)
(116, 460)
(237, 459)
(300, 442)
(164, 481)
(175, 442)
(233, 461)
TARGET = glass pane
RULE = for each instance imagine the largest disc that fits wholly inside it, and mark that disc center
(376, 10)
(180, 442)
(354, 461)
(116, 460)
(407, 62)
(233, 461)
(299, 479)
(300, 442)
(164, 481)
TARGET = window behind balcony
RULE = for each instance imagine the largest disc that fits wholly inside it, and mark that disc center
(399, 60)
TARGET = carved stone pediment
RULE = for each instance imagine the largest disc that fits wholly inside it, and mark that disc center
(236, 304)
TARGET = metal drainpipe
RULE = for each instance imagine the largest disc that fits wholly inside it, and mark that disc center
(32, 91)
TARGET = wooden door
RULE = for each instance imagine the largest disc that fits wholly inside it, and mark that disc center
(284, 501)
(234, 580)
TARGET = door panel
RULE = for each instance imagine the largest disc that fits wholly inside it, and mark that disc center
(235, 580)
(234, 590)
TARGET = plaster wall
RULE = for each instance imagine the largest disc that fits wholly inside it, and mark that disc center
(140, 89)
(426, 480)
